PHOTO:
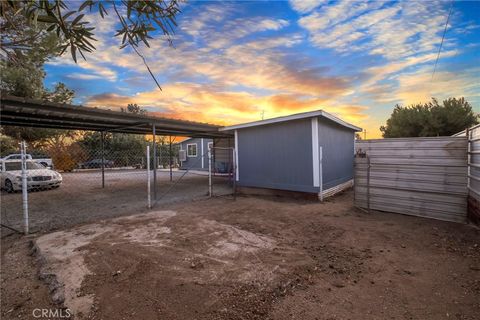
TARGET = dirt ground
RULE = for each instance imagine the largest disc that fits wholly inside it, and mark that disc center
(82, 199)
(254, 258)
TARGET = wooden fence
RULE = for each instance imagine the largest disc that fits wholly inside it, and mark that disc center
(416, 176)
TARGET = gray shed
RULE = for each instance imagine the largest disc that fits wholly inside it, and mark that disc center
(310, 152)
(194, 153)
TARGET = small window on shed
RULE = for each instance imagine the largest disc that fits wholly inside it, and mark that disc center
(192, 150)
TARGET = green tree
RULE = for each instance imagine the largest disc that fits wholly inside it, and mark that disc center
(430, 119)
(60, 94)
(8, 145)
(41, 138)
(134, 108)
(23, 75)
(122, 148)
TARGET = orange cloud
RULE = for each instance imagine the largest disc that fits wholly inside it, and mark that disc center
(204, 103)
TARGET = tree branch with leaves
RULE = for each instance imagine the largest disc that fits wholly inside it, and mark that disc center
(138, 21)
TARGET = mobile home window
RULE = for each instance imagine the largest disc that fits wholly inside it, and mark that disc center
(192, 150)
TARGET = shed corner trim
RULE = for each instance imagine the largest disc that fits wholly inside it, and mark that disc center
(315, 153)
(237, 170)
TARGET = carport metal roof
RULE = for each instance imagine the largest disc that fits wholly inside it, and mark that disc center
(18, 111)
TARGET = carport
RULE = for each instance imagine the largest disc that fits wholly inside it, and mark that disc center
(17, 111)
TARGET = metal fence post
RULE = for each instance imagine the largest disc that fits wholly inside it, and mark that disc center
(210, 188)
(23, 150)
(154, 164)
(368, 183)
(467, 134)
(170, 158)
(234, 174)
(103, 158)
(149, 199)
(320, 156)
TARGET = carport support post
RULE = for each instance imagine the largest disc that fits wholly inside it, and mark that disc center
(210, 188)
(23, 151)
(369, 167)
(170, 158)
(149, 197)
(154, 163)
(103, 158)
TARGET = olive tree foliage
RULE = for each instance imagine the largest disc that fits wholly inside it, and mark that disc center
(138, 20)
(430, 119)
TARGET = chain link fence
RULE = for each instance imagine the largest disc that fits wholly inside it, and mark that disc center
(79, 178)
(222, 170)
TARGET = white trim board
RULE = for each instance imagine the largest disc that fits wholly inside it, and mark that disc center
(203, 156)
(237, 174)
(315, 153)
(304, 115)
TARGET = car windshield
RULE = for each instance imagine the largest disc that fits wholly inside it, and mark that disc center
(17, 165)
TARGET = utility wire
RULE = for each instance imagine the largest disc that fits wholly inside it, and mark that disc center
(443, 37)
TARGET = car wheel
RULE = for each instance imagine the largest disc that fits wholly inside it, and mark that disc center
(9, 186)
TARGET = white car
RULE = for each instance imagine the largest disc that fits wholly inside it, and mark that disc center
(46, 162)
(38, 177)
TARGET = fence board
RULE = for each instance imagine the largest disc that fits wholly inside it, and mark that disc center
(416, 176)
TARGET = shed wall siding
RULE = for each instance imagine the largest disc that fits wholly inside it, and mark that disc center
(337, 145)
(277, 156)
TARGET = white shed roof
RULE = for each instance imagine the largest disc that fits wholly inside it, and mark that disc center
(303, 115)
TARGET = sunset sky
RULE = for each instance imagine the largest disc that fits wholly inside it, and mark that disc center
(233, 61)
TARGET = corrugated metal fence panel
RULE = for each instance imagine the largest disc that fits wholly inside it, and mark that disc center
(416, 176)
(474, 166)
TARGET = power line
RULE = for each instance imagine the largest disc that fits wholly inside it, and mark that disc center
(443, 37)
